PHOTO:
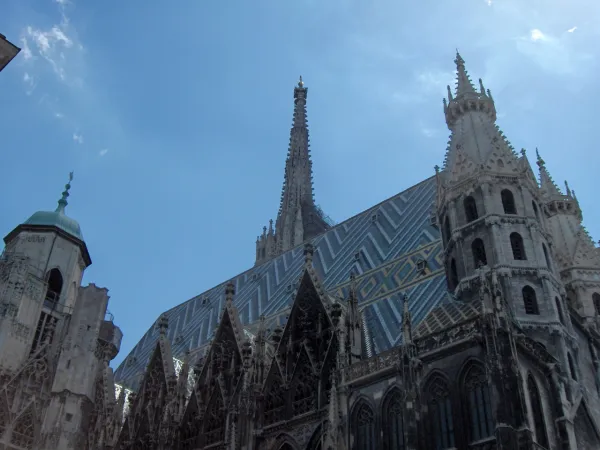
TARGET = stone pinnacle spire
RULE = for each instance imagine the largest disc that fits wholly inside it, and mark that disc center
(547, 184)
(62, 203)
(298, 219)
(463, 82)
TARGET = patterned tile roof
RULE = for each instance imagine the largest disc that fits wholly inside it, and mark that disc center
(449, 313)
(385, 246)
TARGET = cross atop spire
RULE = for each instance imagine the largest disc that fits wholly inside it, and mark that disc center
(62, 203)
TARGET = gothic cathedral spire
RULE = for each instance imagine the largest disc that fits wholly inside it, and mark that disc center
(299, 218)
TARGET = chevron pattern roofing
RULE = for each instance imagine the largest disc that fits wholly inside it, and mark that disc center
(383, 245)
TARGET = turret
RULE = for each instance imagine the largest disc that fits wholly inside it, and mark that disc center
(489, 207)
(299, 218)
(577, 261)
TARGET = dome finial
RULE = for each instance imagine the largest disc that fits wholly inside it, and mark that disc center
(300, 82)
(62, 203)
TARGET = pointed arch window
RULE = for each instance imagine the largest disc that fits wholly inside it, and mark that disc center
(453, 275)
(55, 285)
(530, 300)
(479, 256)
(571, 366)
(535, 210)
(470, 209)
(546, 257)
(364, 427)
(518, 249)
(23, 433)
(477, 396)
(214, 421)
(440, 414)
(393, 423)
(559, 310)
(537, 412)
(447, 231)
(596, 300)
(508, 202)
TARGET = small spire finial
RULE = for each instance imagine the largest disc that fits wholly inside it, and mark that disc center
(229, 293)
(567, 188)
(540, 161)
(300, 82)
(163, 325)
(308, 254)
(62, 203)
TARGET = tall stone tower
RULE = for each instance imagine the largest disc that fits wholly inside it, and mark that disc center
(495, 227)
(298, 218)
(54, 339)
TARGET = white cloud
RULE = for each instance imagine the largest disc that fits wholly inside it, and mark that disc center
(103, 152)
(78, 138)
(571, 30)
(537, 35)
(59, 115)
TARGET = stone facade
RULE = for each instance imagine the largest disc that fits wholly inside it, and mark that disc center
(56, 341)
(504, 357)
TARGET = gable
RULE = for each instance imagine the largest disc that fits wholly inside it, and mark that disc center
(382, 245)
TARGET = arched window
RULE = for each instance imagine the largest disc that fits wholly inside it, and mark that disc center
(393, 423)
(518, 249)
(477, 396)
(24, 433)
(214, 420)
(596, 300)
(440, 414)
(453, 275)
(508, 202)
(479, 256)
(55, 285)
(535, 210)
(572, 367)
(546, 257)
(470, 209)
(530, 301)
(447, 231)
(559, 310)
(537, 412)
(364, 427)
(286, 446)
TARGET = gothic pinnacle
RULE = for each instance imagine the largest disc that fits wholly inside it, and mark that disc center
(463, 82)
(308, 254)
(229, 293)
(300, 82)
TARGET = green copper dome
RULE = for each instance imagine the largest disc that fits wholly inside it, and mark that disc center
(58, 218)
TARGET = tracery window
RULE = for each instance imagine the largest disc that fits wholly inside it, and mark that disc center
(275, 402)
(393, 421)
(508, 202)
(479, 256)
(305, 389)
(518, 249)
(537, 412)
(440, 414)
(470, 209)
(530, 301)
(214, 421)
(364, 428)
(477, 396)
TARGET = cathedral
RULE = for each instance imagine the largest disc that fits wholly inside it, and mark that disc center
(462, 313)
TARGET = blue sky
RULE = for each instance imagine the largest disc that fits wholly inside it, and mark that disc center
(175, 117)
